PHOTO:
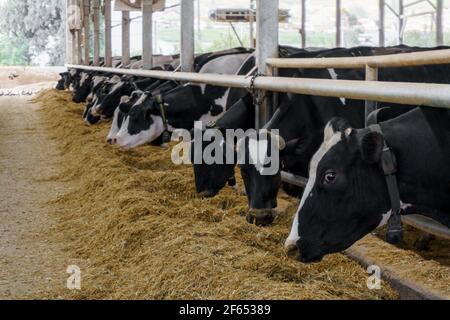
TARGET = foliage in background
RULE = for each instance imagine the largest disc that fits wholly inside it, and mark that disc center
(30, 28)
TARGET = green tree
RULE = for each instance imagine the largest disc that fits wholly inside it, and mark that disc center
(35, 27)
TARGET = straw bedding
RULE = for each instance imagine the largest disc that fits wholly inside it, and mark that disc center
(136, 228)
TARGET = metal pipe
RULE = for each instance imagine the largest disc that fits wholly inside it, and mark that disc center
(147, 34)
(383, 61)
(293, 179)
(266, 47)
(371, 75)
(86, 14)
(338, 23)
(433, 95)
(427, 225)
(439, 23)
(125, 38)
(381, 24)
(96, 19)
(401, 21)
(303, 27)
(187, 35)
(108, 35)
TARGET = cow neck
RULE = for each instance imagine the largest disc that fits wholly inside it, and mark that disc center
(425, 128)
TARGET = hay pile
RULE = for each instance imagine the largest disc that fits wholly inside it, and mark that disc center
(136, 228)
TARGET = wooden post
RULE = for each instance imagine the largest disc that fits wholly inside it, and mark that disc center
(371, 75)
(266, 46)
(96, 19)
(187, 36)
(86, 16)
(108, 36)
(338, 23)
(303, 27)
(439, 23)
(147, 42)
(381, 24)
(125, 38)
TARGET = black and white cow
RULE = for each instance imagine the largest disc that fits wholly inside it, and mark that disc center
(100, 86)
(211, 178)
(183, 105)
(126, 102)
(301, 123)
(108, 98)
(346, 196)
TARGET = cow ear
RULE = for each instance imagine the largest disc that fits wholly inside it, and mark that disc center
(336, 125)
(371, 147)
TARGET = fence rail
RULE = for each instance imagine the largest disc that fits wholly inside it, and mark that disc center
(383, 61)
(433, 95)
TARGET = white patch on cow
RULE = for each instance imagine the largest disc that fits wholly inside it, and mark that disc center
(84, 77)
(324, 148)
(114, 126)
(257, 151)
(129, 141)
(334, 76)
(115, 79)
(229, 64)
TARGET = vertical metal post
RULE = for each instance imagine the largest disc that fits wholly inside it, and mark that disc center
(108, 35)
(199, 28)
(303, 27)
(338, 23)
(187, 36)
(371, 75)
(266, 45)
(147, 34)
(86, 19)
(381, 24)
(69, 34)
(401, 21)
(96, 19)
(125, 38)
(79, 47)
(439, 23)
(251, 24)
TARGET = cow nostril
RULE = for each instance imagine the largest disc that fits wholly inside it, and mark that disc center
(262, 217)
(207, 194)
(109, 141)
(292, 251)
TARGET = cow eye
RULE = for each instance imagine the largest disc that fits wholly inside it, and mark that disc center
(330, 177)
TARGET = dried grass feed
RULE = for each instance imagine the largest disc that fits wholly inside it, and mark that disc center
(135, 226)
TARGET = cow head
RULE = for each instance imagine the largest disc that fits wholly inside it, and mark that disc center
(210, 178)
(61, 85)
(109, 97)
(345, 196)
(261, 187)
(83, 88)
(143, 122)
(126, 102)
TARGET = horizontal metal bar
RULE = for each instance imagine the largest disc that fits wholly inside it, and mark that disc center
(425, 94)
(293, 179)
(383, 61)
(427, 225)
(413, 3)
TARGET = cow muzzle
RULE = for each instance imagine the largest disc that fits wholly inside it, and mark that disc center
(261, 217)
